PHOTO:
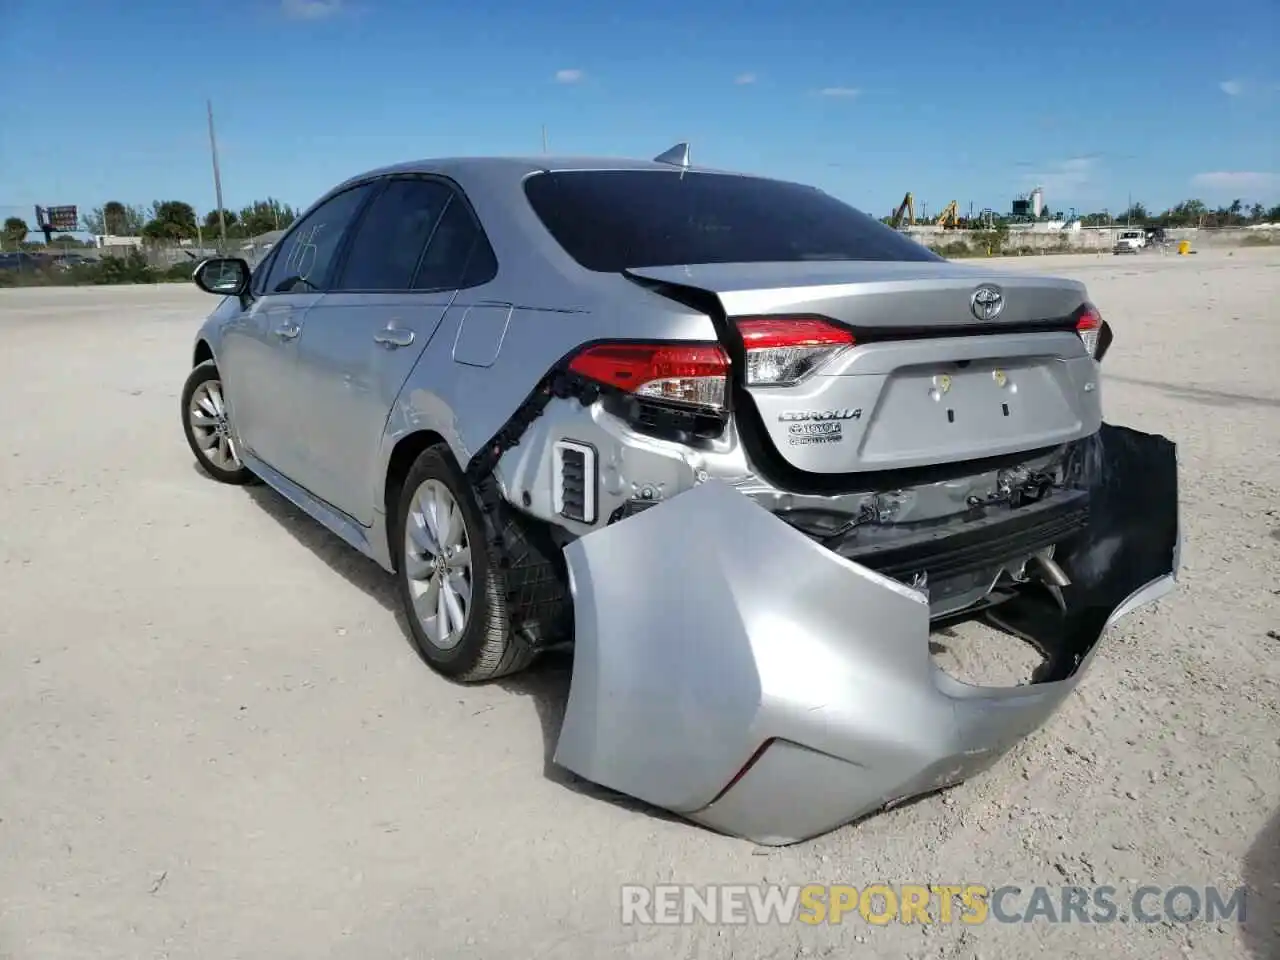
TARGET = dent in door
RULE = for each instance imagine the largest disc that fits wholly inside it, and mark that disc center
(480, 334)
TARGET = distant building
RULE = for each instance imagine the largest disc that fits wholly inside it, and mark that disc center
(263, 241)
(102, 241)
(255, 248)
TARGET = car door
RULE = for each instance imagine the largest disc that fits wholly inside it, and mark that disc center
(406, 260)
(259, 347)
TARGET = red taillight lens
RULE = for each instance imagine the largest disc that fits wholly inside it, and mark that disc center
(784, 350)
(1089, 325)
(692, 374)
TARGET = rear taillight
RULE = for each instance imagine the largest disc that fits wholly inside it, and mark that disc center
(784, 350)
(1089, 326)
(686, 374)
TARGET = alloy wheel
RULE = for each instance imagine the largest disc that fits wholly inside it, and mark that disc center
(211, 427)
(437, 558)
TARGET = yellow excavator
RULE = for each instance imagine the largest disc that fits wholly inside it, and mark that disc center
(907, 206)
(950, 215)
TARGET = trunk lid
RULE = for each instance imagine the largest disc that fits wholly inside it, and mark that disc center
(937, 374)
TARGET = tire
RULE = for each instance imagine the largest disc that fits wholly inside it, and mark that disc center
(204, 418)
(438, 516)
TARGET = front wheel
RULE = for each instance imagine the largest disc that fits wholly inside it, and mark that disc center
(206, 421)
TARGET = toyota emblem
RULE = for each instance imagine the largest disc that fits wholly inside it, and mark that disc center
(986, 302)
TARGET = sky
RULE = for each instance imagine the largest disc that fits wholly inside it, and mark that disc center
(1097, 101)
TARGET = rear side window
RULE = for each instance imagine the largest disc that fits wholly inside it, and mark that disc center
(392, 235)
(609, 220)
(459, 255)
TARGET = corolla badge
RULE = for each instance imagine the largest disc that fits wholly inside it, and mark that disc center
(986, 302)
(794, 416)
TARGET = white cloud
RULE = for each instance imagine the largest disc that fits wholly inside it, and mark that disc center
(744, 79)
(839, 92)
(1241, 181)
(1064, 180)
(1232, 88)
(569, 76)
(310, 9)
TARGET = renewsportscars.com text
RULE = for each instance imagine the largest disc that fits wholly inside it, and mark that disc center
(971, 903)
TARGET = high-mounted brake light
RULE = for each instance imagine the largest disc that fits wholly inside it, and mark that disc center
(689, 374)
(1089, 326)
(784, 350)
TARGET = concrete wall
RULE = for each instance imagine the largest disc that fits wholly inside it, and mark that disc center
(1085, 239)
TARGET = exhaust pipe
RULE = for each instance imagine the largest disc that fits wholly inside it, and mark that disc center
(1050, 572)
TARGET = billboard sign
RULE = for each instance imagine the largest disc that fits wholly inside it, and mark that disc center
(63, 219)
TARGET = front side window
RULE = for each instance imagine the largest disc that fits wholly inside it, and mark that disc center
(391, 237)
(305, 258)
(611, 220)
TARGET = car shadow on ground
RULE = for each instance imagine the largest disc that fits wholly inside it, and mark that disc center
(545, 682)
(1261, 932)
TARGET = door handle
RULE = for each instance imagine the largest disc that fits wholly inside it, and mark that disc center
(393, 336)
(288, 331)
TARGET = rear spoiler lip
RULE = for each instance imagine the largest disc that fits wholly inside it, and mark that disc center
(699, 298)
(942, 331)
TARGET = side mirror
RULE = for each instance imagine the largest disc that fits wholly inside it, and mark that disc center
(223, 276)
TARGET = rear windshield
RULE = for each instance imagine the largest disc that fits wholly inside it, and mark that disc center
(609, 220)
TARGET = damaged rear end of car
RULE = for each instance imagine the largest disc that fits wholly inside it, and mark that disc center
(763, 518)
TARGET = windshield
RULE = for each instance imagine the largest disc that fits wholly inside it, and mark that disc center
(611, 220)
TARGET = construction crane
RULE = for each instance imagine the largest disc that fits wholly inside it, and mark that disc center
(950, 215)
(907, 206)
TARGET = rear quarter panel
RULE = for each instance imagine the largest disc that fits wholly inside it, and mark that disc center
(498, 341)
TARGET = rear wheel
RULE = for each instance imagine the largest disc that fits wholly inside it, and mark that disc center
(206, 421)
(453, 591)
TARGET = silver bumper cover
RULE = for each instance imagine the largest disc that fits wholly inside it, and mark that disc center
(730, 670)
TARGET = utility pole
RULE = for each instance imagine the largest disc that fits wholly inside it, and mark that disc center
(217, 178)
(544, 138)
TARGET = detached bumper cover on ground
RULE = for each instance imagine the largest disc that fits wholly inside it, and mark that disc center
(733, 671)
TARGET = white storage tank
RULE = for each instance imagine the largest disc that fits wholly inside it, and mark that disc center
(1037, 202)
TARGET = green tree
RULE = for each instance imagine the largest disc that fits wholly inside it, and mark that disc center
(211, 219)
(171, 220)
(116, 219)
(15, 232)
(1188, 213)
(1136, 214)
(262, 216)
(1256, 212)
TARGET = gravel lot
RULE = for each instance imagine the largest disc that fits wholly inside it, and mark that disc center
(216, 742)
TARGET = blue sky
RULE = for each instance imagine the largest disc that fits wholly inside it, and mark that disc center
(1095, 100)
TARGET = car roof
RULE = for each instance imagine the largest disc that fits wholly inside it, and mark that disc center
(518, 167)
(494, 187)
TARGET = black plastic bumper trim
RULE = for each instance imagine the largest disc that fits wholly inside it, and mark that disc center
(952, 550)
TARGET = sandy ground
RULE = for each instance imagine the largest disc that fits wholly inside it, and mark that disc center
(216, 742)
